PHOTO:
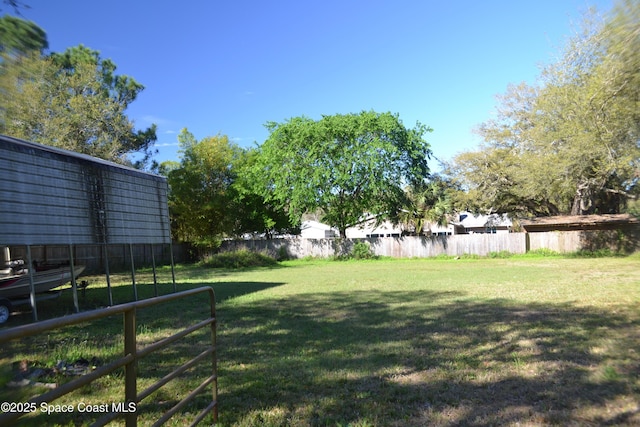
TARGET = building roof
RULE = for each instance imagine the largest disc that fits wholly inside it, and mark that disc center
(469, 220)
(311, 224)
(579, 222)
(42, 150)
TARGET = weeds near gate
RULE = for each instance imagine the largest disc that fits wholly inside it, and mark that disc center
(238, 259)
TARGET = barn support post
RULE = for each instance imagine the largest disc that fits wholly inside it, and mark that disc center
(133, 273)
(74, 287)
(106, 270)
(173, 270)
(32, 292)
(153, 263)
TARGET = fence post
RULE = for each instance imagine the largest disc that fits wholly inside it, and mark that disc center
(74, 285)
(106, 270)
(155, 276)
(130, 386)
(214, 355)
(133, 273)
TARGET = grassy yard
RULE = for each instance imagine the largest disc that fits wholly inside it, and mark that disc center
(479, 342)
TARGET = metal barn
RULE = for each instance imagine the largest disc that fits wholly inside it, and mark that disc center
(51, 196)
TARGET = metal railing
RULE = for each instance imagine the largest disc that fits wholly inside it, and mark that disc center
(129, 361)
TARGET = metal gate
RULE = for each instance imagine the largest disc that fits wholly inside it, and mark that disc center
(129, 361)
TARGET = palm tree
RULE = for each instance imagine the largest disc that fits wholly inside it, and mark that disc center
(428, 204)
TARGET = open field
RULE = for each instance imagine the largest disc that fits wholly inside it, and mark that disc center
(479, 342)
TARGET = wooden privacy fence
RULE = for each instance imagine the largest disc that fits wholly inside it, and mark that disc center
(455, 245)
(128, 409)
(399, 247)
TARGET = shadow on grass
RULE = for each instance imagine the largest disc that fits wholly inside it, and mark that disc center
(102, 339)
(425, 358)
(396, 358)
(98, 297)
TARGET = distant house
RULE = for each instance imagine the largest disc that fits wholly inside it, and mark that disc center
(311, 229)
(580, 223)
(465, 223)
(316, 230)
(441, 230)
(468, 223)
(369, 229)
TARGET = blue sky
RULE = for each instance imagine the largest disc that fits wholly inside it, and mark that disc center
(231, 66)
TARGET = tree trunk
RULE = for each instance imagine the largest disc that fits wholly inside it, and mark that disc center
(583, 202)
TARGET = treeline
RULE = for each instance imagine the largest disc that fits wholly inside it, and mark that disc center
(569, 144)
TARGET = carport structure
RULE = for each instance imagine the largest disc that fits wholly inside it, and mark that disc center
(51, 196)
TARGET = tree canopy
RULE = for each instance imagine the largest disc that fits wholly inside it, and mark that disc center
(72, 100)
(346, 166)
(251, 213)
(199, 187)
(211, 193)
(570, 145)
(20, 37)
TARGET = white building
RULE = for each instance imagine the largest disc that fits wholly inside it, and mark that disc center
(468, 223)
(316, 230)
(370, 230)
(464, 223)
(311, 229)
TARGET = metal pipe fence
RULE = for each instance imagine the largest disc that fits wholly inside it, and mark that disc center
(129, 360)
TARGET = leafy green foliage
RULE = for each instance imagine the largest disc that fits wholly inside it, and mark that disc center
(211, 193)
(251, 212)
(199, 188)
(429, 203)
(74, 100)
(500, 254)
(343, 165)
(569, 145)
(20, 37)
(362, 250)
(347, 250)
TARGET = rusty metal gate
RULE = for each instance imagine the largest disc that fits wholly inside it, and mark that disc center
(129, 361)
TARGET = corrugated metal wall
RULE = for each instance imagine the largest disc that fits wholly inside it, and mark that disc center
(51, 196)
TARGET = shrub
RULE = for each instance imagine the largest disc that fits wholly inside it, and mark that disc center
(283, 254)
(238, 259)
(362, 250)
(501, 254)
(359, 250)
(542, 252)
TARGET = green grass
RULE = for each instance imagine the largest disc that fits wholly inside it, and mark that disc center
(520, 340)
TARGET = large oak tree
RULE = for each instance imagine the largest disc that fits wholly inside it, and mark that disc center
(570, 145)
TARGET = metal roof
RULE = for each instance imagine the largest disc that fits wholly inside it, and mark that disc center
(579, 222)
(16, 144)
